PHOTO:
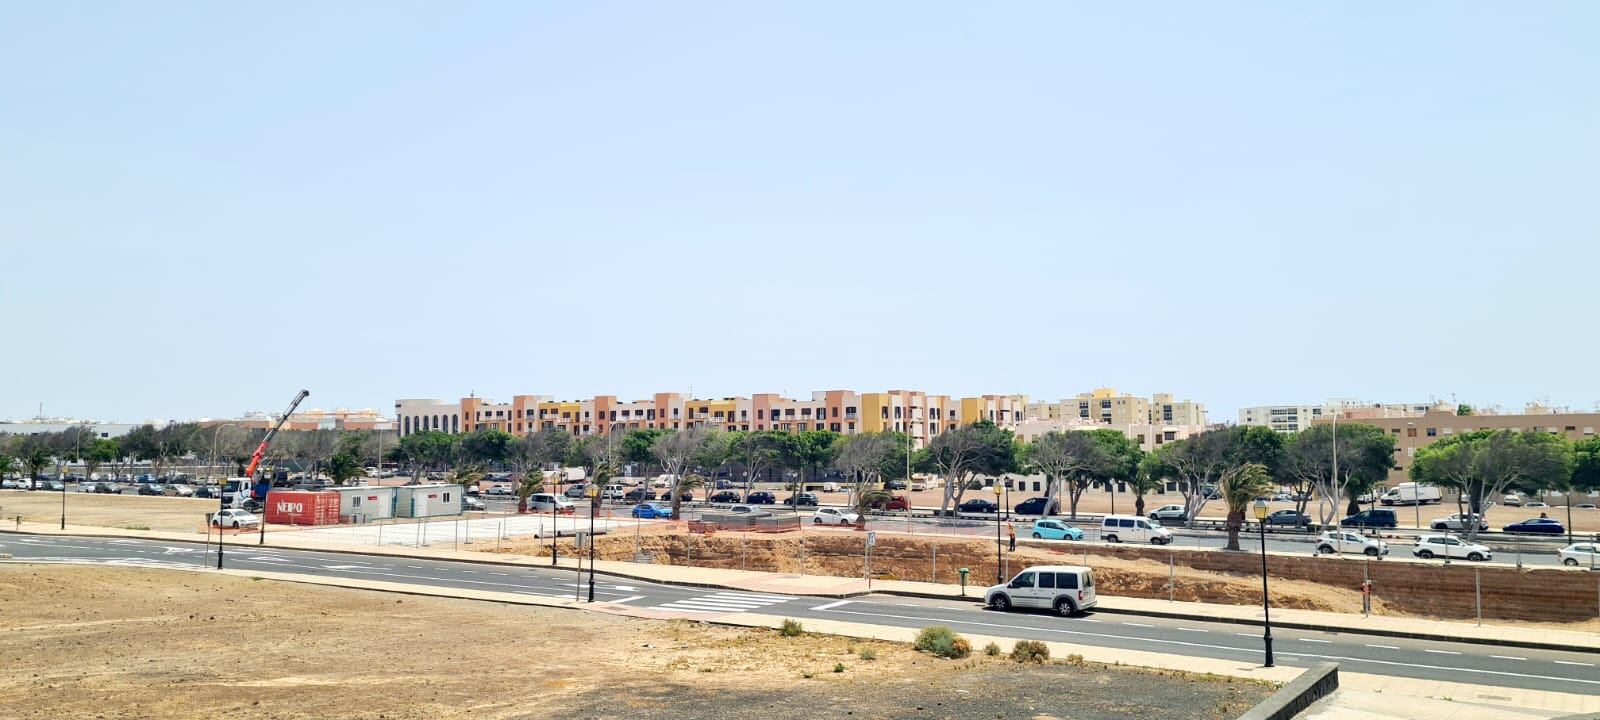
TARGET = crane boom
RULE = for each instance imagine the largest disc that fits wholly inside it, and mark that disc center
(255, 459)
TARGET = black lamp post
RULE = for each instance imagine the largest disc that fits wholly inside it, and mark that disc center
(998, 578)
(1266, 600)
(594, 506)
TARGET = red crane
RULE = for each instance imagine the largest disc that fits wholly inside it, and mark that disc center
(255, 459)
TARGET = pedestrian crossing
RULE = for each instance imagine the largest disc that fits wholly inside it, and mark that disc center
(723, 602)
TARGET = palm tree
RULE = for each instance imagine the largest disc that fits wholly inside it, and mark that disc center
(685, 484)
(1239, 488)
(532, 482)
(870, 497)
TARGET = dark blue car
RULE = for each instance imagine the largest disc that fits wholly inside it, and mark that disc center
(1540, 526)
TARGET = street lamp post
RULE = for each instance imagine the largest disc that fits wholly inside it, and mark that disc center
(1266, 601)
(555, 531)
(594, 507)
(998, 579)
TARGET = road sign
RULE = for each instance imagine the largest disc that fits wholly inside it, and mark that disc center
(583, 540)
(872, 538)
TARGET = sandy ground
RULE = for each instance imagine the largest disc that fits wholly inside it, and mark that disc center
(135, 643)
(125, 511)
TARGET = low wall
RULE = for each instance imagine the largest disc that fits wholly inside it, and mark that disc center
(1297, 695)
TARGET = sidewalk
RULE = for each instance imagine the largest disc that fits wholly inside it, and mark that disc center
(840, 587)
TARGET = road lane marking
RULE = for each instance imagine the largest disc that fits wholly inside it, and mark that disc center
(1228, 648)
(1441, 652)
(1138, 624)
(1313, 640)
(1507, 657)
(1248, 635)
(1193, 629)
(627, 599)
(469, 572)
(831, 605)
(1569, 662)
(1384, 647)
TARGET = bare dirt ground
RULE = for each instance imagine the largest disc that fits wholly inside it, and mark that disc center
(132, 512)
(134, 643)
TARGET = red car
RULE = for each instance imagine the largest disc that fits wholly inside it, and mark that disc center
(898, 502)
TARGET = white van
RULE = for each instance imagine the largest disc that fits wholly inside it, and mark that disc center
(832, 487)
(549, 502)
(1132, 528)
(1066, 589)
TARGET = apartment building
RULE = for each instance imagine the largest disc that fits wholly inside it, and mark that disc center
(913, 412)
(1105, 406)
(1441, 421)
(1149, 436)
(1294, 418)
(314, 419)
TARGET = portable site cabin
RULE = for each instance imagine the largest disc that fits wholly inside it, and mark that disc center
(431, 500)
(365, 504)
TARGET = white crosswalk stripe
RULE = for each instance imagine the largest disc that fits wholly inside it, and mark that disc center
(723, 602)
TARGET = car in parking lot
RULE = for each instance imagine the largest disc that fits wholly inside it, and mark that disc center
(152, 489)
(1373, 518)
(977, 505)
(1535, 505)
(897, 502)
(761, 497)
(235, 518)
(651, 511)
(578, 490)
(834, 516)
(724, 496)
(1581, 554)
(1458, 522)
(1166, 513)
(638, 494)
(749, 511)
(1343, 541)
(1047, 529)
(1584, 506)
(895, 485)
(52, 485)
(88, 487)
(208, 492)
(684, 494)
(1511, 501)
(1536, 526)
(550, 502)
(613, 492)
(180, 490)
(1292, 518)
(469, 502)
(1066, 589)
(1035, 506)
(500, 489)
(802, 500)
(1449, 546)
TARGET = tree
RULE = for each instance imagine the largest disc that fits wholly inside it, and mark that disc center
(862, 458)
(1073, 458)
(758, 452)
(637, 445)
(1585, 465)
(531, 482)
(1147, 479)
(675, 451)
(1238, 490)
(602, 451)
(958, 455)
(1463, 409)
(426, 450)
(34, 452)
(868, 498)
(813, 450)
(485, 446)
(345, 465)
(99, 452)
(1366, 453)
(548, 447)
(1485, 463)
(1205, 462)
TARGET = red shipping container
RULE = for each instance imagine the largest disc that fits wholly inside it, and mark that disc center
(302, 507)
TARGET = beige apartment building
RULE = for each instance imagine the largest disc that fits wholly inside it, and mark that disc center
(1294, 418)
(1415, 431)
(1105, 406)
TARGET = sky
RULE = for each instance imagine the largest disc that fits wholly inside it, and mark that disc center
(205, 207)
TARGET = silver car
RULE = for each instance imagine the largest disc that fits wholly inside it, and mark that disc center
(1458, 522)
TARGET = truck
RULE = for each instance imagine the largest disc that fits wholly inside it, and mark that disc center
(1410, 494)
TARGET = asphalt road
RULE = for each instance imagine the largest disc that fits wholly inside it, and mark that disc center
(1489, 666)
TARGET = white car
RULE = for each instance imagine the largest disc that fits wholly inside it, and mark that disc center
(1581, 554)
(498, 489)
(834, 516)
(613, 492)
(550, 502)
(1174, 513)
(235, 519)
(1458, 521)
(919, 485)
(1450, 546)
(181, 490)
(1535, 505)
(10, 484)
(1343, 541)
(1066, 589)
(748, 510)
(1135, 529)
(1511, 501)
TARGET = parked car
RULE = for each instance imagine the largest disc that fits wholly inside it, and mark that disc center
(761, 497)
(1584, 506)
(13, 484)
(181, 490)
(1511, 501)
(1449, 546)
(1066, 589)
(469, 502)
(1536, 526)
(895, 485)
(1343, 541)
(1035, 506)
(652, 511)
(1372, 518)
(88, 487)
(578, 490)
(1047, 529)
(684, 494)
(724, 496)
(1536, 505)
(978, 505)
(1173, 513)
(896, 502)
(207, 492)
(235, 518)
(53, 485)
(1132, 528)
(1292, 518)
(613, 492)
(1458, 522)
(550, 502)
(919, 485)
(499, 489)
(749, 510)
(1585, 554)
(152, 489)
(834, 516)
(802, 500)
(638, 494)
(832, 487)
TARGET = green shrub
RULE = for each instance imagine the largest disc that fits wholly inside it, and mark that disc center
(991, 649)
(1075, 659)
(838, 667)
(869, 654)
(941, 641)
(1030, 651)
(791, 628)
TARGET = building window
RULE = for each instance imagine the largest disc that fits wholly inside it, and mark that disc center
(1411, 432)
(1433, 432)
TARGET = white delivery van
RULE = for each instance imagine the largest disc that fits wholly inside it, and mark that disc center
(1066, 589)
(1132, 528)
(1410, 493)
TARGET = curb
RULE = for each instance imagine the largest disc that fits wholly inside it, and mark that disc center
(1312, 685)
(1376, 632)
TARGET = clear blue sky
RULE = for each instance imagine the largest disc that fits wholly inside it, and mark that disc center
(207, 206)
